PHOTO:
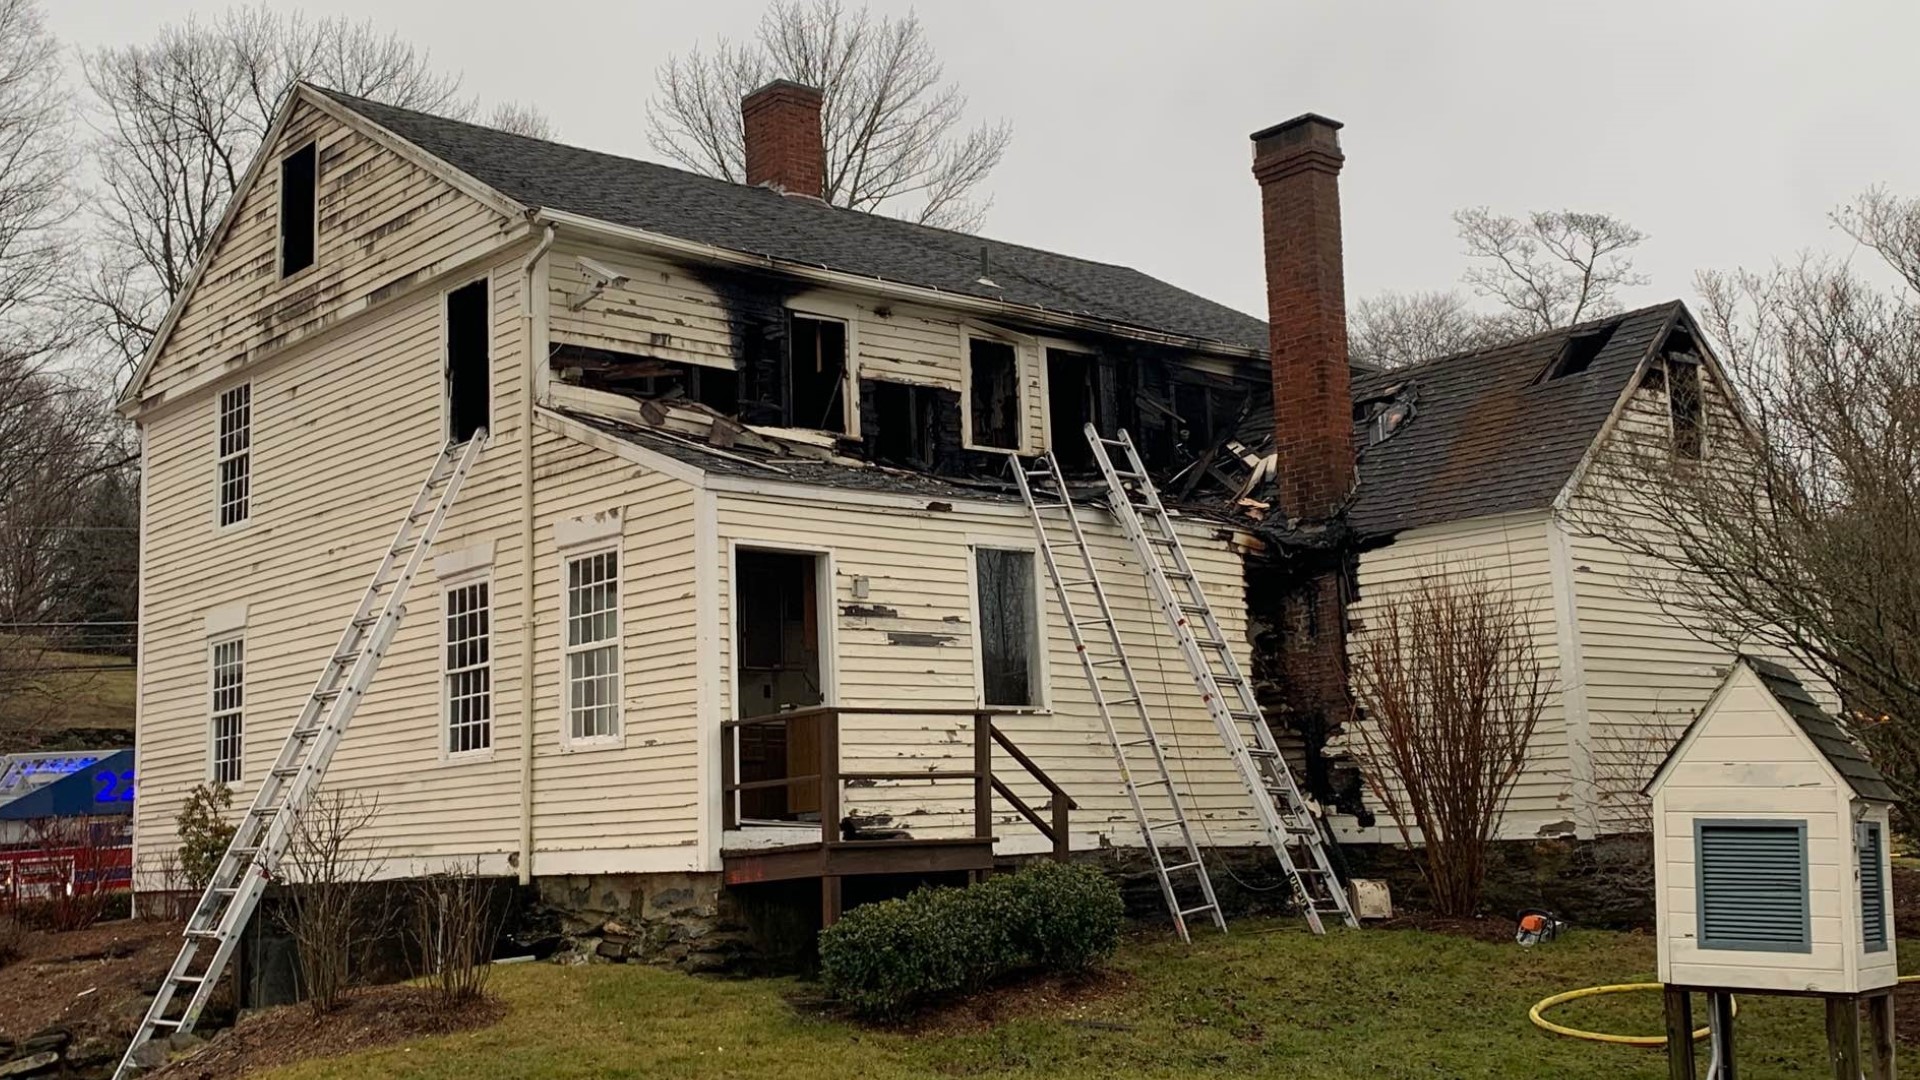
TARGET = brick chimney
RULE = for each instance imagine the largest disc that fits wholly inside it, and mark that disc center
(784, 145)
(1298, 166)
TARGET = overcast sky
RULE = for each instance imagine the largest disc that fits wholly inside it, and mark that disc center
(1726, 131)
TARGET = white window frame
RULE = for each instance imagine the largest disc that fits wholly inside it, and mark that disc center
(1023, 350)
(1042, 675)
(215, 714)
(568, 650)
(448, 672)
(824, 310)
(279, 232)
(221, 456)
(446, 344)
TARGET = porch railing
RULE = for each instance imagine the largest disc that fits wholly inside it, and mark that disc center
(829, 777)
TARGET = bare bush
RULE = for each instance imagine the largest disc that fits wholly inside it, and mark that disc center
(161, 886)
(1449, 691)
(74, 846)
(332, 906)
(455, 927)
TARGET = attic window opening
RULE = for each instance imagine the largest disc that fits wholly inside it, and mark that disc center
(299, 187)
(1580, 351)
(469, 354)
(994, 394)
(1685, 407)
(816, 372)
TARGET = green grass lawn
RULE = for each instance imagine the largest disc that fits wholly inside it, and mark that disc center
(1266, 1000)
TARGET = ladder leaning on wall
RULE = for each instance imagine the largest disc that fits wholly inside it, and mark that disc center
(1137, 750)
(1282, 811)
(263, 834)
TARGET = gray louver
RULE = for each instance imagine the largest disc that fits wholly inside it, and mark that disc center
(1753, 886)
(1873, 889)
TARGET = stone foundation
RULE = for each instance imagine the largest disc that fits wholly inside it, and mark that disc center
(682, 920)
(1606, 882)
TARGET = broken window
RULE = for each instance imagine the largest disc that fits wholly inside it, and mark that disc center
(902, 424)
(995, 393)
(1086, 389)
(468, 355)
(1685, 406)
(1580, 351)
(1009, 628)
(717, 388)
(299, 186)
(816, 373)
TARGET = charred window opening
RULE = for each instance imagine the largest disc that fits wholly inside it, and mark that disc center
(1685, 406)
(299, 186)
(468, 361)
(816, 369)
(1387, 412)
(1208, 415)
(649, 377)
(1085, 389)
(1580, 351)
(901, 424)
(994, 371)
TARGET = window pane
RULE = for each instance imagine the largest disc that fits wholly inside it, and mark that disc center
(469, 680)
(228, 699)
(1008, 629)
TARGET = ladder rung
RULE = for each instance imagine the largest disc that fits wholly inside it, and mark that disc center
(1212, 643)
(1182, 867)
(1158, 825)
(303, 734)
(291, 770)
(1184, 912)
(161, 1021)
(1155, 782)
(210, 935)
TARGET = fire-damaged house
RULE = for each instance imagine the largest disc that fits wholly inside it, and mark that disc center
(738, 587)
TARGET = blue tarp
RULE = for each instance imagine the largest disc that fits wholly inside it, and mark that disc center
(72, 784)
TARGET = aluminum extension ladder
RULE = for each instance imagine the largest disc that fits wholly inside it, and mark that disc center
(1282, 811)
(262, 836)
(1137, 751)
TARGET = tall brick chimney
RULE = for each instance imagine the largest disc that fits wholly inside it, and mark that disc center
(784, 145)
(1298, 166)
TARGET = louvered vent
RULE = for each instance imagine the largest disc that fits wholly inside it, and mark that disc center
(1753, 886)
(1873, 889)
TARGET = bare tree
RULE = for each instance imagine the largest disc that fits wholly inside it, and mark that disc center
(1552, 269)
(178, 120)
(332, 908)
(1391, 330)
(36, 199)
(893, 129)
(1448, 690)
(1795, 526)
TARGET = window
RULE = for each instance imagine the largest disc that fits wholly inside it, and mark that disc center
(1009, 627)
(1871, 850)
(299, 188)
(816, 373)
(1752, 879)
(1684, 404)
(235, 453)
(593, 647)
(227, 729)
(905, 424)
(469, 335)
(469, 668)
(1085, 389)
(994, 394)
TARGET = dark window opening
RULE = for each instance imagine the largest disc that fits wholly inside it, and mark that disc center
(299, 184)
(776, 607)
(905, 421)
(995, 394)
(816, 374)
(1209, 415)
(1580, 351)
(1083, 389)
(1009, 630)
(1684, 404)
(468, 355)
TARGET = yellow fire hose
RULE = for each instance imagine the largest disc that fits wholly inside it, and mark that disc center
(1540, 1021)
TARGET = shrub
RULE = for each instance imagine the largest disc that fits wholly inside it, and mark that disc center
(204, 832)
(888, 958)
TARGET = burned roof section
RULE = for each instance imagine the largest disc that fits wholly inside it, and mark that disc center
(808, 232)
(1492, 431)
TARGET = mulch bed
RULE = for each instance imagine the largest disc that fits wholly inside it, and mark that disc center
(84, 979)
(374, 1016)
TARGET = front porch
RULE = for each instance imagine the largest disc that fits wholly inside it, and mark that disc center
(786, 815)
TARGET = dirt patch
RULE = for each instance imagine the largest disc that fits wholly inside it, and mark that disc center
(95, 980)
(375, 1016)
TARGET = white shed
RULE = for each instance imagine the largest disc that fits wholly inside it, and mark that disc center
(1771, 846)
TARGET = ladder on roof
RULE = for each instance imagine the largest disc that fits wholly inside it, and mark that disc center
(264, 833)
(1282, 811)
(1137, 751)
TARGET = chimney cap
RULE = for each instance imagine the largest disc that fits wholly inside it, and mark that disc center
(1302, 120)
(779, 86)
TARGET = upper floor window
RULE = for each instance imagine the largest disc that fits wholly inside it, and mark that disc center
(299, 209)
(234, 483)
(993, 394)
(816, 375)
(469, 356)
(226, 759)
(593, 646)
(469, 640)
(1687, 408)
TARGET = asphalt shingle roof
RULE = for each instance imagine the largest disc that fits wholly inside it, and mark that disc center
(759, 221)
(1489, 435)
(1828, 736)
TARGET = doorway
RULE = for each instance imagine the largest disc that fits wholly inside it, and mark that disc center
(779, 637)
